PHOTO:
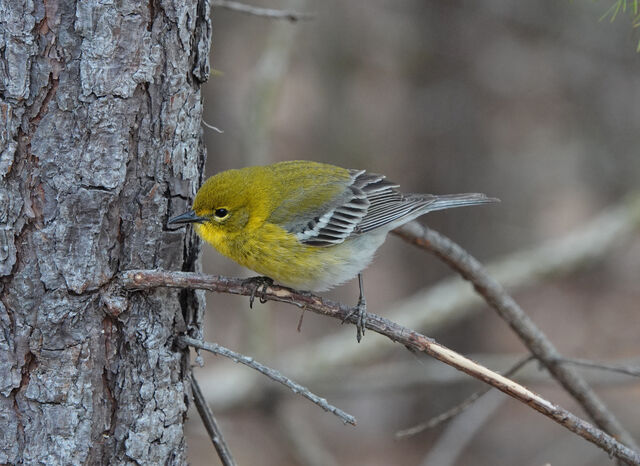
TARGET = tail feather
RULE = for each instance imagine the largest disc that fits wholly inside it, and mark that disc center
(393, 213)
(448, 201)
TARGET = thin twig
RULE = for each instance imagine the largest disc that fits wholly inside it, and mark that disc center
(211, 425)
(620, 368)
(145, 279)
(210, 126)
(460, 407)
(395, 376)
(506, 307)
(272, 13)
(271, 373)
(242, 388)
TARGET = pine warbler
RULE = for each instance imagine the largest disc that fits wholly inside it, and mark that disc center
(307, 225)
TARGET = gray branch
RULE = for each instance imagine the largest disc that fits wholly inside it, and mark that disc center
(270, 373)
(507, 308)
(271, 13)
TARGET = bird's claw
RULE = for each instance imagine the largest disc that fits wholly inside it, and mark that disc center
(260, 285)
(361, 318)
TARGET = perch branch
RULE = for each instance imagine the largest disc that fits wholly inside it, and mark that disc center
(145, 279)
(506, 307)
(271, 373)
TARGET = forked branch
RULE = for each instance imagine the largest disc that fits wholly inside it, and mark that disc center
(509, 310)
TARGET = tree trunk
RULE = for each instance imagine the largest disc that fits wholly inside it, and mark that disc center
(101, 142)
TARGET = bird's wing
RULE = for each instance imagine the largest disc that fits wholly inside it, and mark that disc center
(368, 202)
(340, 218)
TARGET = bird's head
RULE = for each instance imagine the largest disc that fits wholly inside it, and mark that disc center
(222, 207)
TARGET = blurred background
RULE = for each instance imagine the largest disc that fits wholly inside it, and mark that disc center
(537, 103)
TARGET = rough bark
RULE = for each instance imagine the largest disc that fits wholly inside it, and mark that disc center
(100, 142)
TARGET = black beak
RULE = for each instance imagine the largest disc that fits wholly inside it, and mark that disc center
(187, 217)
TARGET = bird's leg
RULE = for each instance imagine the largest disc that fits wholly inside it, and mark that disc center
(260, 284)
(361, 310)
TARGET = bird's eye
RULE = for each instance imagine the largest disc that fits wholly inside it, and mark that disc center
(221, 213)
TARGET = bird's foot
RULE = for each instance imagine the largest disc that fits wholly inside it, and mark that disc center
(260, 285)
(361, 317)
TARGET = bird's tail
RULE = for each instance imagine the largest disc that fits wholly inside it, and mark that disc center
(448, 201)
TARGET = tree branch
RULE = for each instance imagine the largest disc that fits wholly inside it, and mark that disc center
(289, 15)
(506, 307)
(271, 373)
(146, 279)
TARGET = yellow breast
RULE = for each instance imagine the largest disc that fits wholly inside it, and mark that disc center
(269, 250)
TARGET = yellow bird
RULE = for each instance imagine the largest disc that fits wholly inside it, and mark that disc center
(307, 225)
